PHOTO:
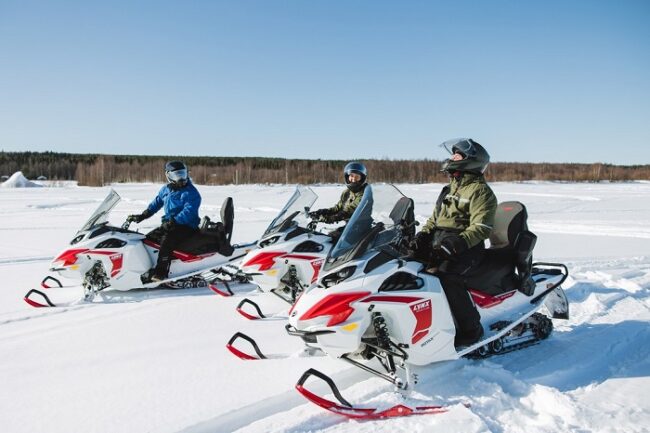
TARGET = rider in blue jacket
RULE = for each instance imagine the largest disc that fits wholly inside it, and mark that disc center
(181, 201)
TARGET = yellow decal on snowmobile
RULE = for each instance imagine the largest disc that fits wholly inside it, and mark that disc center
(350, 327)
(272, 272)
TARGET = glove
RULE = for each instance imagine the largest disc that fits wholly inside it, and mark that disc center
(452, 246)
(420, 241)
(317, 214)
(168, 224)
(137, 218)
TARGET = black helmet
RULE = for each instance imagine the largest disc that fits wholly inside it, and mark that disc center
(357, 168)
(176, 173)
(475, 157)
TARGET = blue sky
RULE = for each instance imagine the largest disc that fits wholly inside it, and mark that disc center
(558, 81)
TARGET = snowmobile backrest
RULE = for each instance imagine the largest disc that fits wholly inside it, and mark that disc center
(510, 220)
(402, 213)
(228, 216)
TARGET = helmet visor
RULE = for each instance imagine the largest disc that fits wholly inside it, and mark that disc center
(176, 175)
(459, 145)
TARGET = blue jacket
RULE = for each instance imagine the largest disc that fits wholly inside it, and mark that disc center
(181, 205)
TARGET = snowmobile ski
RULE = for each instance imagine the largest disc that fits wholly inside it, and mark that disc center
(345, 408)
(243, 355)
(248, 315)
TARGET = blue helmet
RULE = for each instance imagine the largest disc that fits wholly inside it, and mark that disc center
(176, 173)
(357, 168)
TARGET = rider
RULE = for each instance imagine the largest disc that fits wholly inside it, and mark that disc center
(356, 177)
(452, 240)
(181, 201)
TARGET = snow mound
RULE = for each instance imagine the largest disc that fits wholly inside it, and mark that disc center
(18, 180)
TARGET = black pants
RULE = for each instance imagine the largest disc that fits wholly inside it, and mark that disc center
(169, 240)
(451, 273)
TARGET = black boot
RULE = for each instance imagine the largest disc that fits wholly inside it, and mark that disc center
(467, 338)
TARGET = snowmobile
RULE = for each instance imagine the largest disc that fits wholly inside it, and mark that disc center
(373, 303)
(103, 256)
(289, 256)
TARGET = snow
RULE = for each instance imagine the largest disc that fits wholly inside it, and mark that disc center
(18, 180)
(156, 361)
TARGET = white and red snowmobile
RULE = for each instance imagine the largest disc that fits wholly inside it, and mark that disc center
(102, 256)
(384, 313)
(289, 256)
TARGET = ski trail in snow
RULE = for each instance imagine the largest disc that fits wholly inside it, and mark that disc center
(239, 418)
(23, 260)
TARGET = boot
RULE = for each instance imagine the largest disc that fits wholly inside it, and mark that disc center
(469, 337)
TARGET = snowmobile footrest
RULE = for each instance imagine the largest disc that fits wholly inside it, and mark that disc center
(249, 316)
(348, 410)
(35, 293)
(219, 291)
(242, 355)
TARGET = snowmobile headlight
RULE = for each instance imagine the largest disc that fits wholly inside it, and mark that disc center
(337, 277)
(77, 239)
(269, 241)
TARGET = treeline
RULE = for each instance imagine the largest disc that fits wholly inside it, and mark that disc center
(97, 170)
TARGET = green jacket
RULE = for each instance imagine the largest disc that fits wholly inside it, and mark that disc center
(344, 208)
(467, 206)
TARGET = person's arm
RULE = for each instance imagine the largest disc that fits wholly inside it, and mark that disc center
(157, 203)
(191, 204)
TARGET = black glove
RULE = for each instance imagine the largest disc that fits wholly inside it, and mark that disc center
(137, 218)
(452, 246)
(421, 240)
(168, 224)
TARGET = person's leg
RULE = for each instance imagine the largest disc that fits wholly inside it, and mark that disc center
(468, 320)
(168, 242)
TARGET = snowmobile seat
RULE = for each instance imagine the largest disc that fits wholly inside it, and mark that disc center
(507, 264)
(210, 236)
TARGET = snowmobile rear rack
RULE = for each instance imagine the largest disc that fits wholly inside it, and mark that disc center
(559, 269)
(247, 315)
(242, 355)
(345, 408)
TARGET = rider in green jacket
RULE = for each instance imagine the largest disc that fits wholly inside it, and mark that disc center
(356, 176)
(452, 240)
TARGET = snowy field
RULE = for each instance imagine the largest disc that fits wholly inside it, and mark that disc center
(155, 361)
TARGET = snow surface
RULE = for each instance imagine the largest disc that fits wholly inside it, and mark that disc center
(154, 361)
(18, 180)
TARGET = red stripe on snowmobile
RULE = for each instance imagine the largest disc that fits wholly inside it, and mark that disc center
(484, 300)
(423, 318)
(69, 257)
(337, 306)
(402, 299)
(180, 255)
(265, 260)
(368, 413)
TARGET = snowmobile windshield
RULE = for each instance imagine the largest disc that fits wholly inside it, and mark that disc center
(100, 216)
(376, 222)
(294, 212)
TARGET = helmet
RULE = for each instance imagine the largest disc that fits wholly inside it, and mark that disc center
(475, 157)
(176, 173)
(357, 168)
